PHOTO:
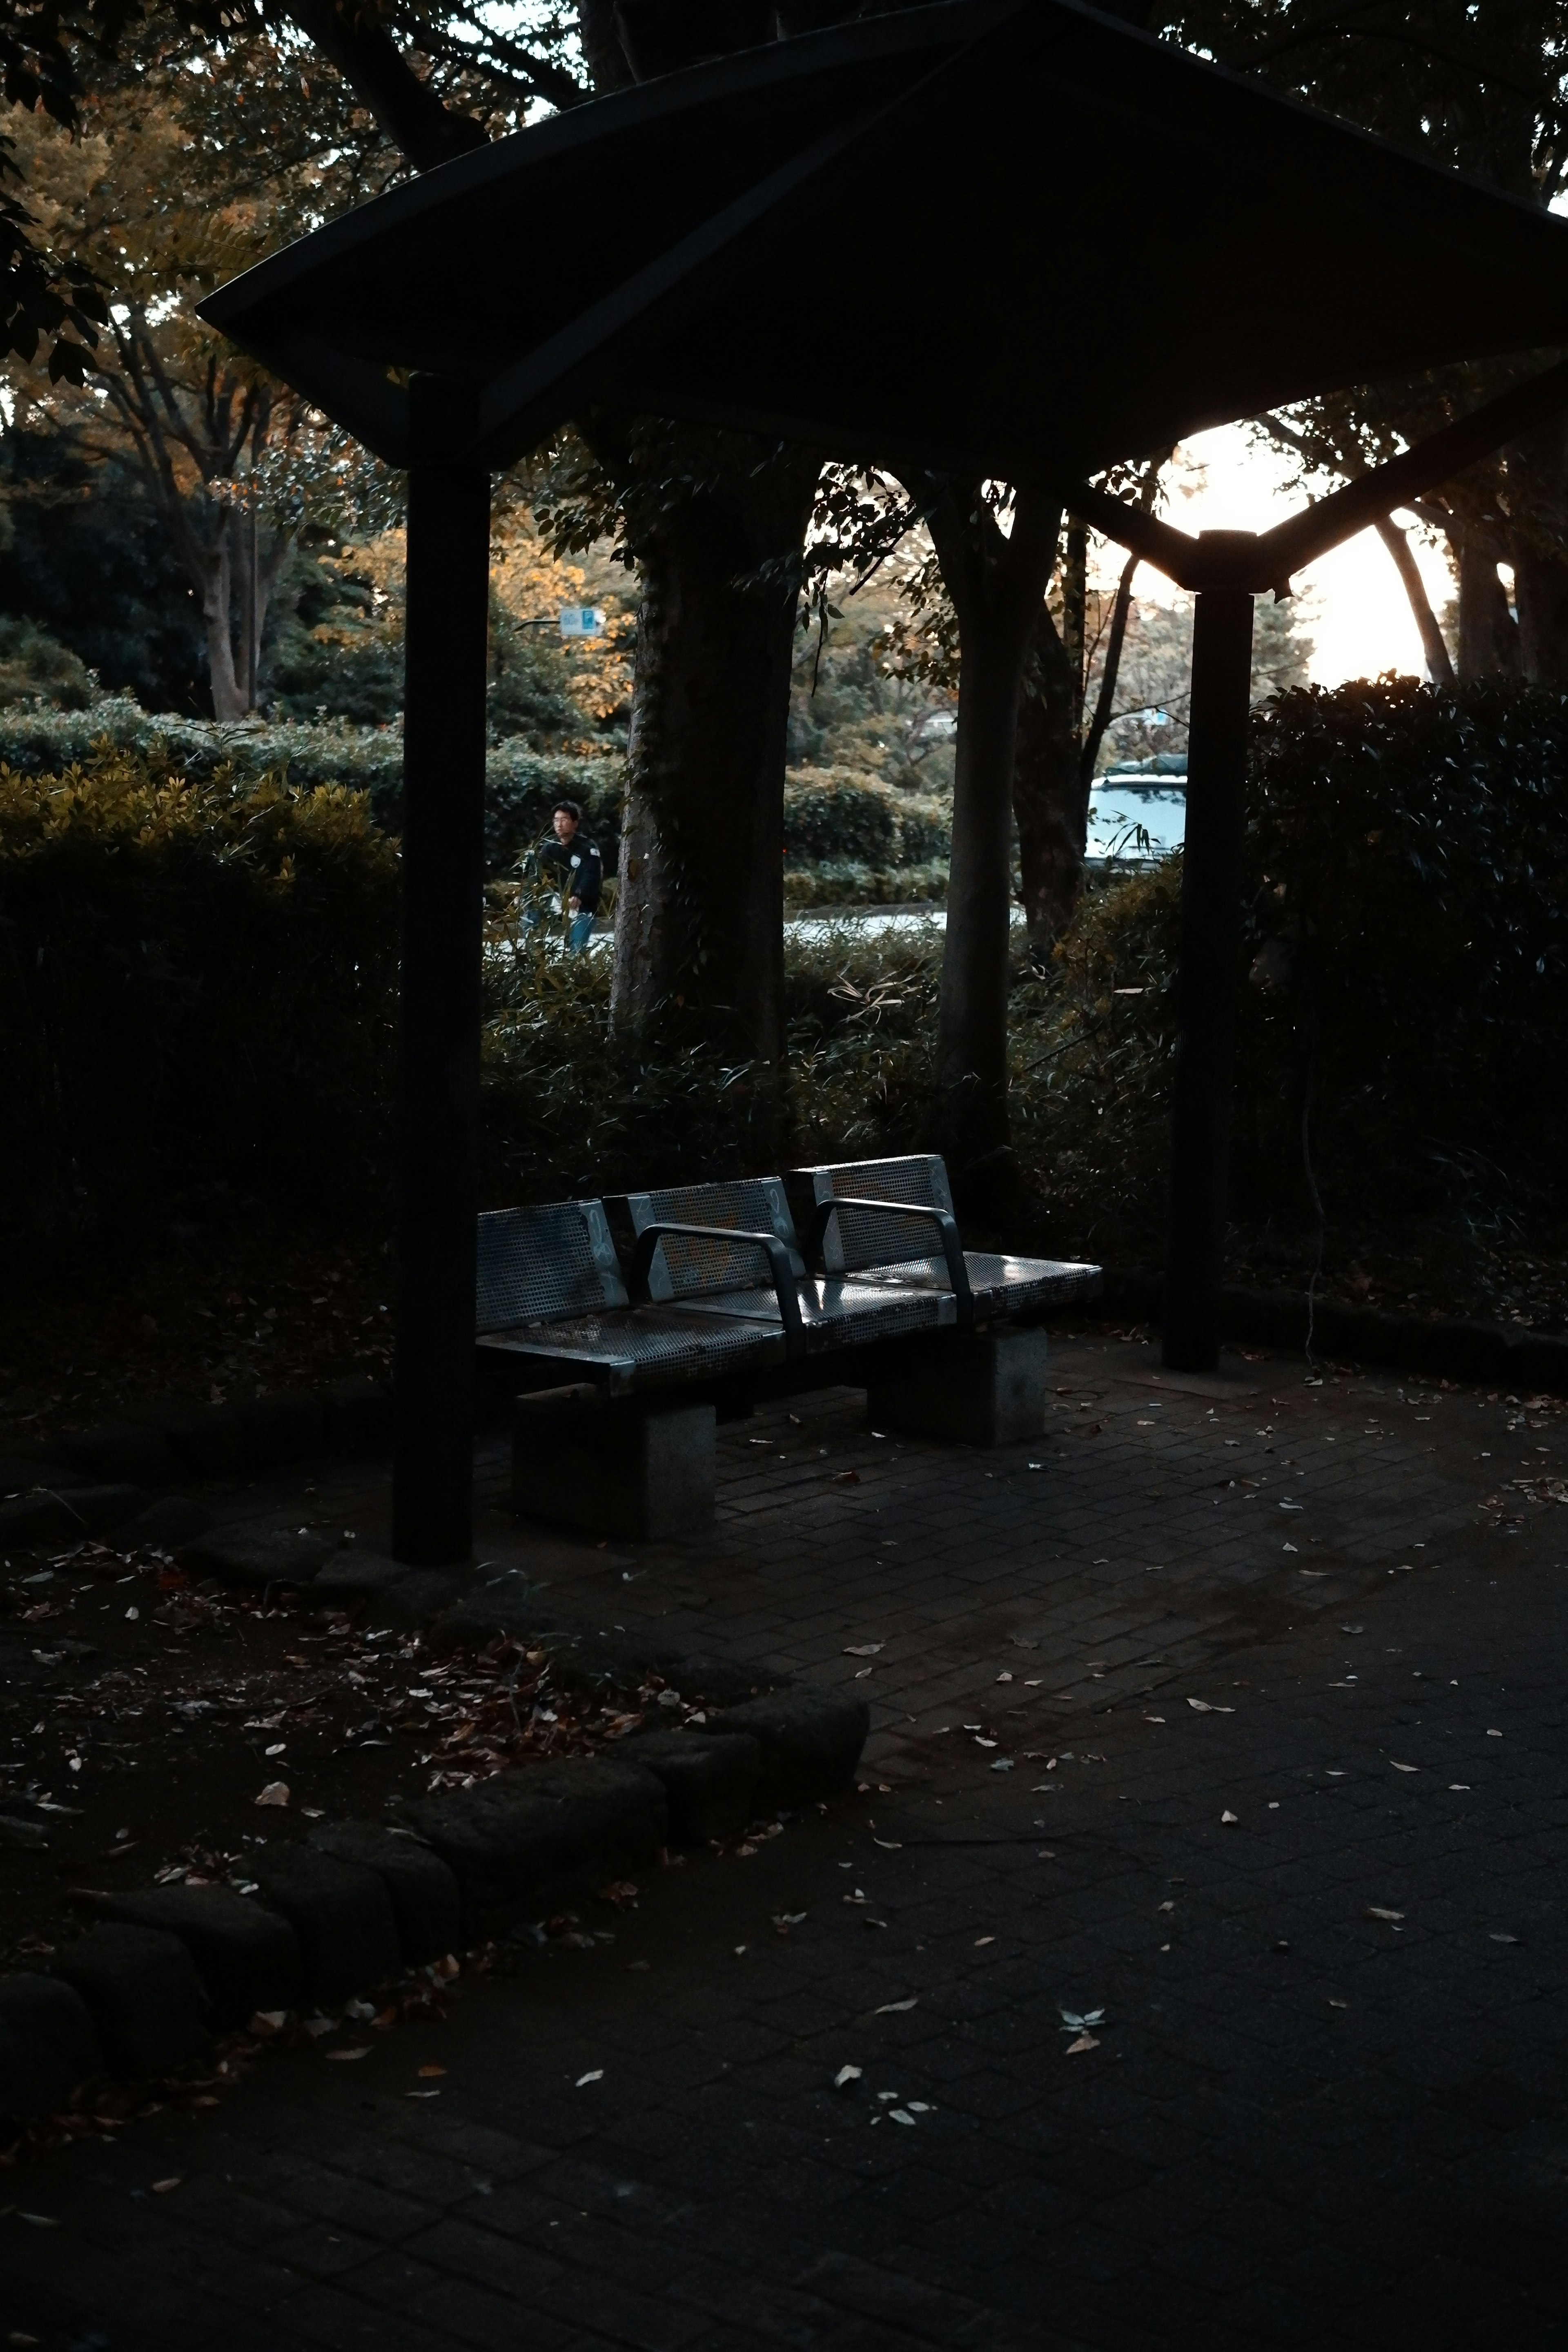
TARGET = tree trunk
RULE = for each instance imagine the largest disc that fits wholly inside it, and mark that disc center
(1051, 792)
(1541, 595)
(1434, 646)
(1489, 641)
(997, 584)
(217, 615)
(700, 902)
(1537, 468)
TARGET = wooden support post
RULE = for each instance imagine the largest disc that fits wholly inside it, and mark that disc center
(445, 658)
(1210, 944)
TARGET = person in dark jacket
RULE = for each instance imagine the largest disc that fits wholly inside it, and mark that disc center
(573, 863)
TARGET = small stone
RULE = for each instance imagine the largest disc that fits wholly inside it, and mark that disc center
(426, 1904)
(811, 1742)
(47, 2045)
(246, 1956)
(340, 1912)
(256, 1552)
(145, 1998)
(711, 1782)
(165, 1525)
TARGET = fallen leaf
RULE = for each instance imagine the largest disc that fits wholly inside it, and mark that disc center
(1377, 1911)
(275, 1793)
(846, 1478)
(846, 2075)
(162, 2187)
(1404, 1767)
(894, 2008)
(1084, 2041)
(595, 2073)
(983, 1939)
(345, 2055)
(38, 2220)
(1227, 1817)
(1497, 1937)
(864, 1649)
(269, 2020)
(899, 2115)
(1202, 1707)
(1154, 1718)
(424, 2071)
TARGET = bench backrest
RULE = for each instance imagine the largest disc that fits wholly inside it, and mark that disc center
(541, 1265)
(698, 1269)
(869, 1236)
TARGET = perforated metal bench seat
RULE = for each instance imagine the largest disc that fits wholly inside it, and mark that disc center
(640, 1348)
(551, 1296)
(677, 1242)
(709, 1282)
(875, 1235)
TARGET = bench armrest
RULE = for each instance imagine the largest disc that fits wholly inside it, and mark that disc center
(943, 1219)
(780, 1271)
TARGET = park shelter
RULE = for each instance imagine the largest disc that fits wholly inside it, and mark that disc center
(755, 242)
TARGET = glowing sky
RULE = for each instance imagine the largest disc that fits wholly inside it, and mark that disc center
(1351, 600)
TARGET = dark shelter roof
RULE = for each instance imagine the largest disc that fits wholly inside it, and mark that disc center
(1011, 237)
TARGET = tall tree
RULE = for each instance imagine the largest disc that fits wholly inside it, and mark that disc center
(179, 175)
(1482, 85)
(996, 580)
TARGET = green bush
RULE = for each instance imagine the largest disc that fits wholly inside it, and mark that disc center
(520, 783)
(1407, 945)
(1408, 871)
(841, 882)
(196, 996)
(836, 815)
(35, 667)
(196, 992)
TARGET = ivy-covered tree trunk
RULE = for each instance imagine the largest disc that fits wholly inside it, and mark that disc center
(700, 902)
(1051, 792)
(1489, 640)
(1539, 464)
(998, 583)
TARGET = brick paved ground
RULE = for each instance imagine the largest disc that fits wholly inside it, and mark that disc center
(1328, 2104)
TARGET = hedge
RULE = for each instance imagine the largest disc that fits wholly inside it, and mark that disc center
(197, 991)
(834, 814)
(520, 783)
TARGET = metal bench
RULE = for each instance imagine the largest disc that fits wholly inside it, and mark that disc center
(624, 1327)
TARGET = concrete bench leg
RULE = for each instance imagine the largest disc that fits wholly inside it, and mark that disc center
(614, 1466)
(978, 1387)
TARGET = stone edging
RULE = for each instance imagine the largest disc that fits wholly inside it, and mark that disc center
(1493, 1355)
(358, 1901)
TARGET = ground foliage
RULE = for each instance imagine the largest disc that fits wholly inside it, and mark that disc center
(198, 986)
(198, 1008)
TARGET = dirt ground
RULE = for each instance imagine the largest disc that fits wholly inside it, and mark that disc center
(153, 1729)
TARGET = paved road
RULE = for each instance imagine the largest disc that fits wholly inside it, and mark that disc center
(1326, 2100)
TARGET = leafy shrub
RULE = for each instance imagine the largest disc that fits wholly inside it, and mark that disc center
(1406, 938)
(36, 667)
(197, 995)
(841, 882)
(834, 814)
(1408, 870)
(520, 783)
(196, 989)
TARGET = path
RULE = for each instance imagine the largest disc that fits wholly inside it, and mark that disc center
(1328, 2102)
